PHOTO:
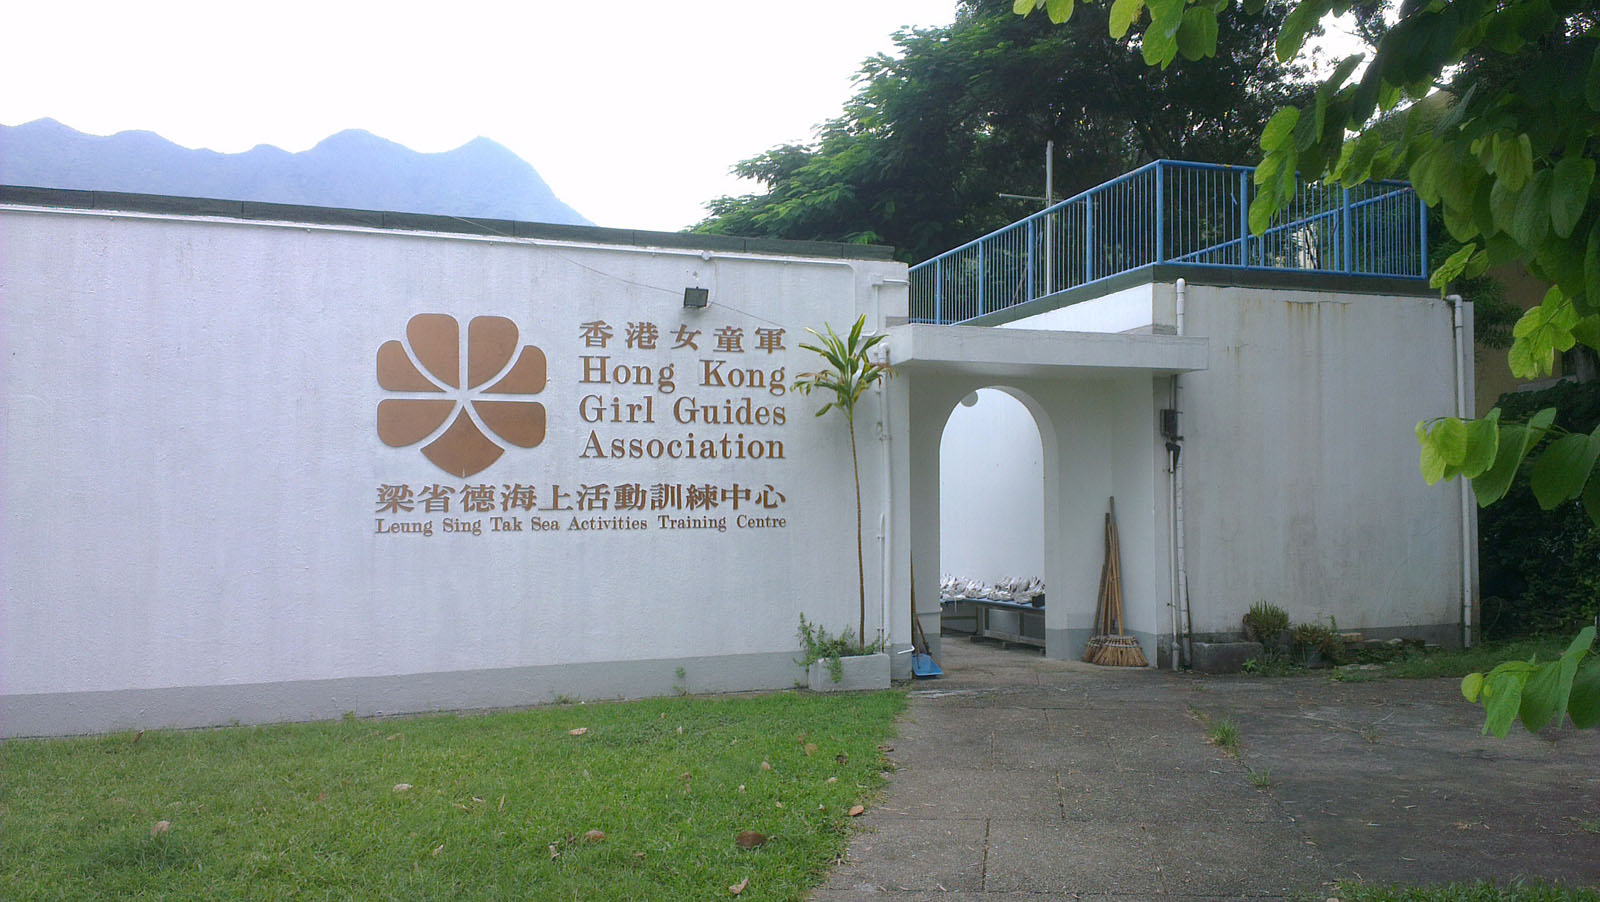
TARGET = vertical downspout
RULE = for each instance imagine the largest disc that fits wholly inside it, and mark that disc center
(1181, 289)
(884, 522)
(1459, 324)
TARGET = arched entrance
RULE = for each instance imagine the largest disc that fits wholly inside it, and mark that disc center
(991, 519)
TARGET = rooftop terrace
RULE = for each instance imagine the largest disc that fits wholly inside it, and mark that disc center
(1173, 212)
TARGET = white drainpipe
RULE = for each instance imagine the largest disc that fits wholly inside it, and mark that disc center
(1180, 609)
(1459, 323)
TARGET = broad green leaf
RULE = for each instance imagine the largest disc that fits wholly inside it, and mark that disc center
(1022, 7)
(1449, 435)
(1586, 331)
(1123, 14)
(1563, 468)
(1301, 19)
(1540, 333)
(1452, 267)
(1502, 206)
(1580, 644)
(1059, 10)
(1515, 441)
(1583, 704)
(1157, 47)
(1262, 209)
(1531, 221)
(1165, 17)
(1197, 36)
(1539, 702)
(1483, 442)
(1569, 193)
(1503, 698)
(1472, 686)
(1513, 161)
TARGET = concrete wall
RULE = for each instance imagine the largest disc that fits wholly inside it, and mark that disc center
(991, 490)
(194, 527)
(1302, 486)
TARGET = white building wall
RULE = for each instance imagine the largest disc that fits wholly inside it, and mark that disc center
(991, 490)
(191, 477)
(1302, 486)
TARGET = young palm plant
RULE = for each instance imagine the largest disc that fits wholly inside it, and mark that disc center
(848, 374)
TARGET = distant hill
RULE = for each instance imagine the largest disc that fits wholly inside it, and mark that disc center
(354, 169)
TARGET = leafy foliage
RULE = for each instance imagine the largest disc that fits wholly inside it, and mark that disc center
(1537, 567)
(850, 371)
(1264, 622)
(1538, 694)
(817, 645)
(920, 156)
(1510, 163)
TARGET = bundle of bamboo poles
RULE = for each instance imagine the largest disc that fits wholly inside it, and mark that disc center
(1110, 646)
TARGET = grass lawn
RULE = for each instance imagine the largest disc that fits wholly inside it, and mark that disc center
(499, 805)
(1464, 892)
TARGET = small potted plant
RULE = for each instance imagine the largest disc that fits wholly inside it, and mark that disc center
(840, 663)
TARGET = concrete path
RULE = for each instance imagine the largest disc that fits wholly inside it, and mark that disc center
(1020, 776)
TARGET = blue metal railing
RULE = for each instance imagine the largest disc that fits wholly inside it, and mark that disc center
(1174, 212)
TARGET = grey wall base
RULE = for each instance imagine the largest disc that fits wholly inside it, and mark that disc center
(70, 713)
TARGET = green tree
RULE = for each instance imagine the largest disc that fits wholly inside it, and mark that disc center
(850, 371)
(1510, 165)
(921, 154)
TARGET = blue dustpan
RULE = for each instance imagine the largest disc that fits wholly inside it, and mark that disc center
(923, 666)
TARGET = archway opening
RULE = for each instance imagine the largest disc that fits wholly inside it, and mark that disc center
(991, 521)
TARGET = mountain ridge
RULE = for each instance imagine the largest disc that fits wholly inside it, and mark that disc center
(352, 168)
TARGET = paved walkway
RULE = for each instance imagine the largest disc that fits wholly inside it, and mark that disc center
(1020, 776)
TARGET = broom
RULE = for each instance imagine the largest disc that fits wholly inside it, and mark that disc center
(1110, 646)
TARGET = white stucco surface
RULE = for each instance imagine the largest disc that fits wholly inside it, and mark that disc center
(192, 470)
(991, 491)
(1301, 480)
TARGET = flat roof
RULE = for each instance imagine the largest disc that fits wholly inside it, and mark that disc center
(1022, 353)
(21, 195)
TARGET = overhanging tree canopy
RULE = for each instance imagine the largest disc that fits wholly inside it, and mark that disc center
(922, 153)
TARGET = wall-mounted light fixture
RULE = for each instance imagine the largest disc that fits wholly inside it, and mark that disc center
(695, 297)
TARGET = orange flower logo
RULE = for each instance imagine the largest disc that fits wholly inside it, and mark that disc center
(435, 340)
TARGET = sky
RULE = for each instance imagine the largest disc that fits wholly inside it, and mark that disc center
(632, 111)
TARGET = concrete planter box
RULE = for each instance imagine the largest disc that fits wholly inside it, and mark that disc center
(860, 672)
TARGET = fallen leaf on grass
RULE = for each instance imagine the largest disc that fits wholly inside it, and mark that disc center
(137, 736)
(402, 787)
(750, 839)
(502, 803)
(680, 731)
(741, 787)
(833, 779)
(393, 736)
(841, 759)
(578, 731)
(437, 849)
(857, 811)
(766, 765)
(778, 804)
(595, 836)
(554, 852)
(738, 888)
(638, 855)
(811, 749)
(160, 827)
